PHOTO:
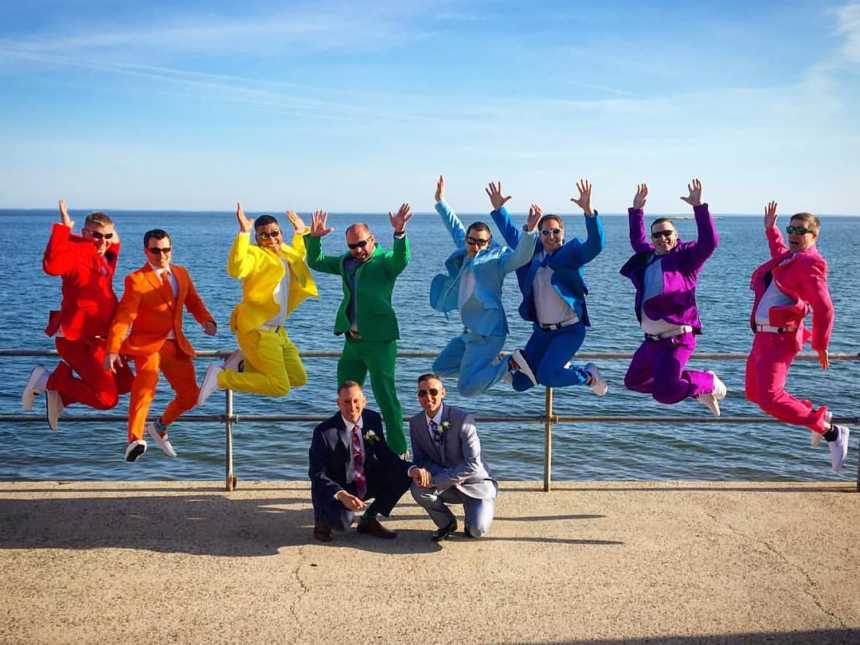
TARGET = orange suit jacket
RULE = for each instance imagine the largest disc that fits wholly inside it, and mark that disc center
(146, 315)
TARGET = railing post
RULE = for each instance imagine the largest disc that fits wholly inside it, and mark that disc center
(547, 441)
(230, 483)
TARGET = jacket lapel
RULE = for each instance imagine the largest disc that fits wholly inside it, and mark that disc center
(156, 283)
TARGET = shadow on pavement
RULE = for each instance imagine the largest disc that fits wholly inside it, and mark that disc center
(811, 637)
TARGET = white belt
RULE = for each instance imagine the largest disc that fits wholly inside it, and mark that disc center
(683, 329)
(564, 323)
(770, 329)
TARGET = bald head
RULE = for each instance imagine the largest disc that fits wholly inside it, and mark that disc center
(360, 241)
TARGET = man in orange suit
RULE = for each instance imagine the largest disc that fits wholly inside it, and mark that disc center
(86, 263)
(148, 327)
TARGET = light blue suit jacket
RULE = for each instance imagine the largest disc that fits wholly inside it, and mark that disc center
(491, 265)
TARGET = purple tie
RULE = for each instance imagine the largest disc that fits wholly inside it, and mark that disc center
(358, 463)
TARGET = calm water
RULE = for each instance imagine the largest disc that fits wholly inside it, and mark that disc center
(591, 452)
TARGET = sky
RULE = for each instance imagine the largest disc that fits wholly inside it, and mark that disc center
(357, 107)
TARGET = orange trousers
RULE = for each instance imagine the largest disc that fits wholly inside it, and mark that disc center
(178, 368)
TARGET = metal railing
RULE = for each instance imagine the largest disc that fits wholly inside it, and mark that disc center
(548, 419)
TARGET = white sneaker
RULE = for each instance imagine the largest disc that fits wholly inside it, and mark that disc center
(711, 400)
(161, 441)
(234, 361)
(210, 383)
(522, 365)
(720, 389)
(839, 447)
(37, 382)
(135, 449)
(54, 403)
(816, 437)
(597, 383)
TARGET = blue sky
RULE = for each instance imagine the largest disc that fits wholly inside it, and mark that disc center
(359, 106)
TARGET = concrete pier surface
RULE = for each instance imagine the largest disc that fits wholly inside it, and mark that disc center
(631, 562)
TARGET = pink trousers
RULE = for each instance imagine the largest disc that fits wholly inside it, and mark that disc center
(767, 368)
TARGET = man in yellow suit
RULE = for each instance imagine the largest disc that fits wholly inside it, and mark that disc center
(275, 280)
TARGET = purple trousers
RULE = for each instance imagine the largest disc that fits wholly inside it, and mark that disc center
(657, 369)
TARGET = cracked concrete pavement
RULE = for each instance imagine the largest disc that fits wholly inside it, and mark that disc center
(630, 562)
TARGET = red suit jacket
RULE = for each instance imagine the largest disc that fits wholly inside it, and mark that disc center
(146, 314)
(801, 276)
(89, 301)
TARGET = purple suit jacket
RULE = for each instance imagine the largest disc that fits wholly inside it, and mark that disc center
(677, 303)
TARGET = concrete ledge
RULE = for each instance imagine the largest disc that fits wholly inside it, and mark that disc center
(626, 562)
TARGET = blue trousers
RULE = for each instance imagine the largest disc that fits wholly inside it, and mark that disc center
(478, 512)
(548, 352)
(475, 361)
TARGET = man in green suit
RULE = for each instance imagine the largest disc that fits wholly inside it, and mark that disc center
(365, 316)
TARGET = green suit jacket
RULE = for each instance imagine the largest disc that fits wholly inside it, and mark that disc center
(375, 318)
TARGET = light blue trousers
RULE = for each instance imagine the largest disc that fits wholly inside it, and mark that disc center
(479, 512)
(475, 361)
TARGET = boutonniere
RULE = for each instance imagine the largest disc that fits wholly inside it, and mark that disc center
(443, 427)
(371, 437)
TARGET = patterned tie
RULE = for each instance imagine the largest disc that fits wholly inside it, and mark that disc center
(437, 433)
(358, 463)
(166, 286)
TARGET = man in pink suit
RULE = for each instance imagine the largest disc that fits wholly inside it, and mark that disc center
(793, 281)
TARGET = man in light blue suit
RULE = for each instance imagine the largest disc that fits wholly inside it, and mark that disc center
(473, 284)
(445, 443)
(554, 299)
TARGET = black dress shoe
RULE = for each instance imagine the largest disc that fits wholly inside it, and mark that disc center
(445, 531)
(374, 528)
(322, 531)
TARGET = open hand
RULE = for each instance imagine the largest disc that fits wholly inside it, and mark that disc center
(244, 222)
(65, 220)
(494, 192)
(112, 362)
(640, 197)
(535, 213)
(319, 221)
(398, 221)
(695, 196)
(584, 201)
(297, 222)
(440, 189)
(770, 215)
(350, 502)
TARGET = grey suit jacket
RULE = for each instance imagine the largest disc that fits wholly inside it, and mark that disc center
(457, 462)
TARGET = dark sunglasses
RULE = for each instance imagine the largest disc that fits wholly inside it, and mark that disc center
(658, 234)
(478, 241)
(798, 230)
(555, 232)
(431, 392)
(268, 234)
(100, 236)
(359, 245)
(158, 251)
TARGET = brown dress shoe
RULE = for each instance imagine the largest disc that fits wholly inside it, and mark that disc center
(322, 531)
(374, 528)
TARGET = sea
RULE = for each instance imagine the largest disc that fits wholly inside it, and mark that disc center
(581, 451)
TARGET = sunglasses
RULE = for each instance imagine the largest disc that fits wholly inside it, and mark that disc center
(659, 234)
(99, 236)
(555, 232)
(430, 392)
(798, 230)
(266, 235)
(359, 245)
(478, 241)
(158, 251)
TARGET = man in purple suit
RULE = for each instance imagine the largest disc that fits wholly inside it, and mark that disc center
(664, 272)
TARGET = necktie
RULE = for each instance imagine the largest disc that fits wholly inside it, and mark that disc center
(166, 286)
(358, 463)
(437, 433)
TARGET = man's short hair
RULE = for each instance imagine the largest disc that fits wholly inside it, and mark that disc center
(155, 233)
(428, 376)
(99, 219)
(358, 226)
(348, 384)
(264, 220)
(548, 218)
(660, 220)
(479, 226)
(808, 218)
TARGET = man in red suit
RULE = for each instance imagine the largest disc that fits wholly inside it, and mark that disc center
(148, 327)
(86, 263)
(793, 281)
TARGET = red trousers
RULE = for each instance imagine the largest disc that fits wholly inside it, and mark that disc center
(94, 386)
(178, 368)
(767, 368)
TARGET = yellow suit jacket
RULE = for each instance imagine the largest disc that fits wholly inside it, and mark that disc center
(260, 271)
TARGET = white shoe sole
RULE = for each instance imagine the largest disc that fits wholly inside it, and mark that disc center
(523, 366)
(32, 389)
(210, 383)
(164, 444)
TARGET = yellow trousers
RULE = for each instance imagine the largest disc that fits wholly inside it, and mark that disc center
(272, 364)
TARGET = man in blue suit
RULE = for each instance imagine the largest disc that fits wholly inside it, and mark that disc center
(554, 299)
(473, 285)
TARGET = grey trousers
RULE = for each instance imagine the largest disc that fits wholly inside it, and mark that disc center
(479, 512)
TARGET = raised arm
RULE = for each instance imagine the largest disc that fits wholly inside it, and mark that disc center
(525, 250)
(452, 223)
(636, 219)
(60, 253)
(240, 263)
(510, 232)
(707, 239)
(398, 258)
(595, 239)
(774, 237)
(316, 259)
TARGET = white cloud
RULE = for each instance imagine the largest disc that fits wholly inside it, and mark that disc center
(848, 24)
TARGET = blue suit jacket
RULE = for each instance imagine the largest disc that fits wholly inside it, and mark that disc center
(566, 264)
(490, 266)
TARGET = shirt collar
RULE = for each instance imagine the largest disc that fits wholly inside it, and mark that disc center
(349, 424)
(159, 270)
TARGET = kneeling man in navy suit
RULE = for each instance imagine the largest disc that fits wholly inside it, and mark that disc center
(445, 442)
(350, 463)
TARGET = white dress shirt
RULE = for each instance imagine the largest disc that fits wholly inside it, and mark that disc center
(174, 286)
(653, 286)
(281, 295)
(550, 308)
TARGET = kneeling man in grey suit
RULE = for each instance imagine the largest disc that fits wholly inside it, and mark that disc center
(445, 442)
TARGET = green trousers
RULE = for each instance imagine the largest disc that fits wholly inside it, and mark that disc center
(362, 356)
